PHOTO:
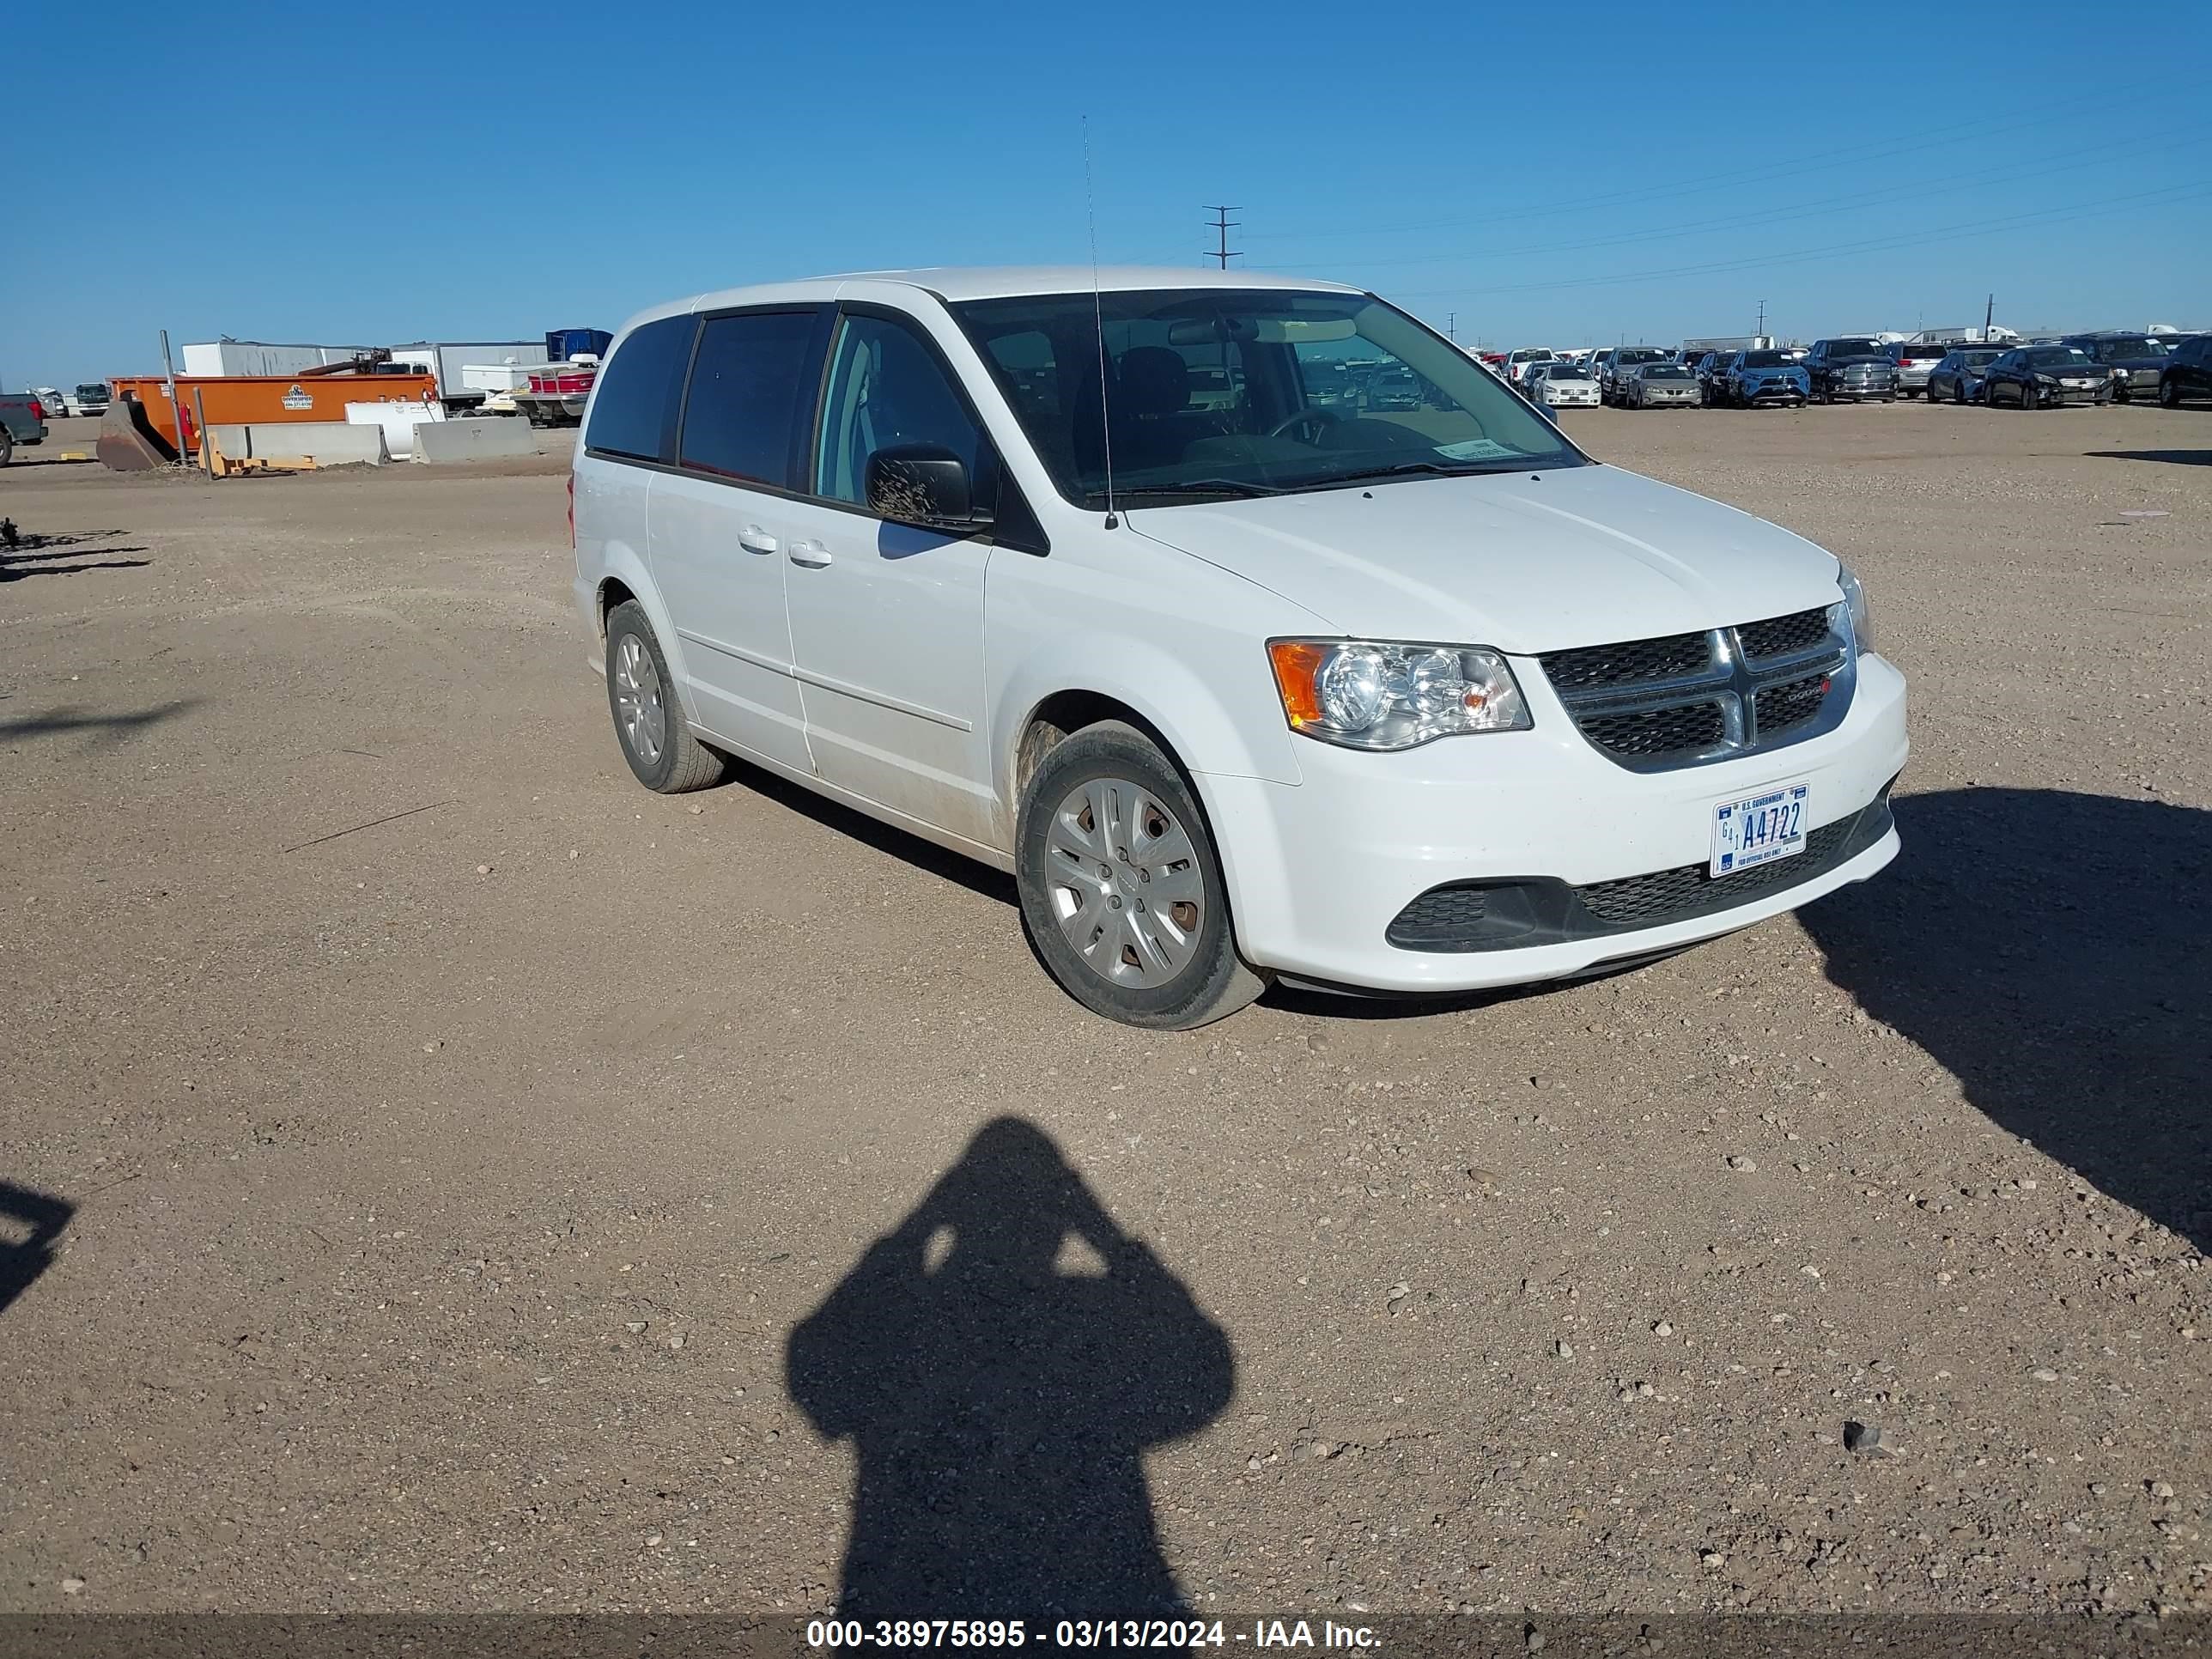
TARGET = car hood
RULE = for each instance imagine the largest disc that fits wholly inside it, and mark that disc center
(1524, 562)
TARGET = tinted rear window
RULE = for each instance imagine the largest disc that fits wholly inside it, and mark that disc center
(1767, 360)
(634, 404)
(754, 376)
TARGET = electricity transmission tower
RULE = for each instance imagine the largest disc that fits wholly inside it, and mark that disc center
(1222, 224)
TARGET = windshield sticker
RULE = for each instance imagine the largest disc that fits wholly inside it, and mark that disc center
(1478, 449)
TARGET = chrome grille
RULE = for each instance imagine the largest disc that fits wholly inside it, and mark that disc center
(1692, 699)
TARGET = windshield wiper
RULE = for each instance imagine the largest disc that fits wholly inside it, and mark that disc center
(1441, 469)
(1201, 487)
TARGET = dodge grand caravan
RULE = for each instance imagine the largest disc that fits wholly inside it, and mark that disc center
(1121, 582)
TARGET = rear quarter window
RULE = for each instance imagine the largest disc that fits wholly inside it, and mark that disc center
(634, 406)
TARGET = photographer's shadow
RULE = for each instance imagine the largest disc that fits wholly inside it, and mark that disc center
(1001, 1361)
(2053, 950)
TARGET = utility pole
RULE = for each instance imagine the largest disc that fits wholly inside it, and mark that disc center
(1989, 314)
(1452, 326)
(1761, 330)
(1222, 225)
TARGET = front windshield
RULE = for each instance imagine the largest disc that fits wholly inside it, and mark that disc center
(92, 389)
(1321, 390)
(1767, 360)
(1627, 355)
(1853, 348)
(1666, 372)
(2058, 357)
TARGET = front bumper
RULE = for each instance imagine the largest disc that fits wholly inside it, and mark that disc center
(1319, 871)
(1773, 391)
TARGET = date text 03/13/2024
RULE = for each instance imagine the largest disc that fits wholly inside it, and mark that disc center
(1086, 1633)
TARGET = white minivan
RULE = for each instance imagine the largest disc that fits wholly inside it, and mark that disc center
(1255, 629)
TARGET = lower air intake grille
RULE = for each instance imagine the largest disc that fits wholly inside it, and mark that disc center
(1667, 895)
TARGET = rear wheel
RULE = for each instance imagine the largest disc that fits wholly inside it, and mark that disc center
(2169, 393)
(7, 446)
(662, 753)
(1120, 888)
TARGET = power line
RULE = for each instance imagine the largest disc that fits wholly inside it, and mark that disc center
(1850, 155)
(1832, 251)
(1223, 224)
(2008, 173)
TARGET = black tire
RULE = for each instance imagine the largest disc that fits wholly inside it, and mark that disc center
(1958, 393)
(2169, 392)
(7, 446)
(1212, 981)
(2030, 398)
(681, 762)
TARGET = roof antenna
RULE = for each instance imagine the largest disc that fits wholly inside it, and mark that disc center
(1098, 311)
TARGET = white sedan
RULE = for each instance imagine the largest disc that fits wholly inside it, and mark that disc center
(1561, 385)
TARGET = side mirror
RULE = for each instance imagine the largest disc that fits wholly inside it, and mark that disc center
(924, 484)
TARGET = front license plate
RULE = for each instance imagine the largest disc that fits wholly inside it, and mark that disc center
(1759, 829)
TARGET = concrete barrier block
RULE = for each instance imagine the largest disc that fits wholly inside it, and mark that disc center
(480, 439)
(327, 443)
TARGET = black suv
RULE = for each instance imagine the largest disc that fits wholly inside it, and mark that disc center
(2137, 361)
(1851, 367)
(2187, 373)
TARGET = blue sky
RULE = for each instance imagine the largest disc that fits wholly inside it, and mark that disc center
(1551, 173)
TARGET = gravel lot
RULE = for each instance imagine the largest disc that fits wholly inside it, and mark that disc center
(492, 1182)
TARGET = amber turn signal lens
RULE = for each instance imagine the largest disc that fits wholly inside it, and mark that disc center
(1297, 671)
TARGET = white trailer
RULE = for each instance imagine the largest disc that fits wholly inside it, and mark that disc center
(454, 361)
(446, 360)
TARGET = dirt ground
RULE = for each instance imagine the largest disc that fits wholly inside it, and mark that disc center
(444, 1175)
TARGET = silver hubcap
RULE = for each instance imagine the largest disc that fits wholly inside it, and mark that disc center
(1124, 882)
(638, 707)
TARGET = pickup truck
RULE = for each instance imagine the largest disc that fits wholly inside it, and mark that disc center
(22, 421)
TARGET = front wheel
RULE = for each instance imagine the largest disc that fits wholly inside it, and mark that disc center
(2030, 398)
(1958, 392)
(7, 446)
(2169, 396)
(1120, 888)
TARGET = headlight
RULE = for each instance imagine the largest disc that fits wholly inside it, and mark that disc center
(1855, 605)
(1365, 694)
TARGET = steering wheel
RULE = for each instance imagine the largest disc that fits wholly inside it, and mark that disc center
(1310, 421)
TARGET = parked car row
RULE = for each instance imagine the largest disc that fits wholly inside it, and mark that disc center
(2112, 366)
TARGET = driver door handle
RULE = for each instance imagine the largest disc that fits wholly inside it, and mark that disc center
(813, 554)
(755, 539)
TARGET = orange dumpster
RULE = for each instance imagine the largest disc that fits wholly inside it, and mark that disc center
(260, 399)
